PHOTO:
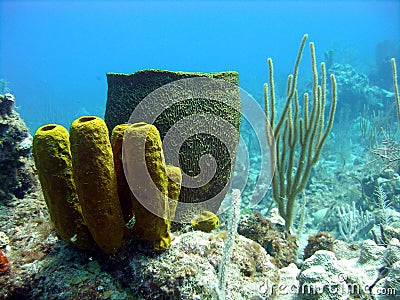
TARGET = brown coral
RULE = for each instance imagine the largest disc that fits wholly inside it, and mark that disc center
(4, 264)
(323, 240)
(282, 246)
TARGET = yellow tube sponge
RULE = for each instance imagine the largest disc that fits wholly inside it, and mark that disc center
(147, 177)
(206, 221)
(174, 188)
(124, 192)
(96, 183)
(52, 155)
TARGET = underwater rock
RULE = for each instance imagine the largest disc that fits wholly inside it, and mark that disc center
(355, 90)
(281, 245)
(288, 284)
(321, 241)
(17, 177)
(375, 272)
(4, 240)
(126, 91)
(322, 278)
(389, 277)
(188, 270)
(74, 275)
(7, 102)
(370, 253)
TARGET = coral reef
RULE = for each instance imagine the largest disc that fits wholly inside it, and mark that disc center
(355, 90)
(374, 272)
(345, 196)
(125, 93)
(27, 236)
(281, 245)
(17, 177)
(321, 241)
(188, 270)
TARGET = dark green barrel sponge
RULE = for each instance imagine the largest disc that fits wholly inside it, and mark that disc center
(127, 91)
(52, 155)
(124, 192)
(96, 182)
(147, 177)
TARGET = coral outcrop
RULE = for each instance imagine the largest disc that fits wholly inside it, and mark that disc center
(189, 270)
(321, 241)
(17, 177)
(375, 272)
(281, 245)
(355, 89)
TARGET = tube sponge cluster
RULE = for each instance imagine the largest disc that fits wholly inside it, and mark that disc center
(85, 188)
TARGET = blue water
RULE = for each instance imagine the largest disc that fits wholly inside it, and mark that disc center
(55, 54)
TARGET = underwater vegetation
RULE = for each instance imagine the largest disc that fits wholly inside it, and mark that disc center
(107, 220)
(291, 134)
